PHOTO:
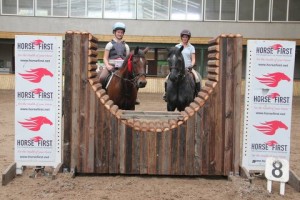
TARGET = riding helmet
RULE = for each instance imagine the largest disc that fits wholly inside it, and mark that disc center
(119, 26)
(185, 32)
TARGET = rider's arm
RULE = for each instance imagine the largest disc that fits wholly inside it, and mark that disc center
(193, 59)
(106, 56)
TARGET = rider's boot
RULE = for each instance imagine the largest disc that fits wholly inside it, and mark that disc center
(165, 94)
(198, 87)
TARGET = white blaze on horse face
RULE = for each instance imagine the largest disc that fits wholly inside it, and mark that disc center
(141, 60)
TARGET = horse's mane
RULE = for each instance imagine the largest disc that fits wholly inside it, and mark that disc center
(137, 51)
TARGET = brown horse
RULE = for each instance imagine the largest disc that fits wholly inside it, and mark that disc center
(123, 87)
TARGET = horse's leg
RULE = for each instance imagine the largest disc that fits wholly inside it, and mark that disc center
(170, 107)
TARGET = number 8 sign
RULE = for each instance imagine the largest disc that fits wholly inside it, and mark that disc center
(277, 170)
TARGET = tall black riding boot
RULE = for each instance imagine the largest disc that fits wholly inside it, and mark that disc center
(198, 87)
(165, 94)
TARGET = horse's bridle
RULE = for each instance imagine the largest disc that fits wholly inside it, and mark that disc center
(135, 78)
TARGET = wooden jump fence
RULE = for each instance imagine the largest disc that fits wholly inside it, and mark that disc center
(202, 140)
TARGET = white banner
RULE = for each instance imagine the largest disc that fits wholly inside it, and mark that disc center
(268, 101)
(38, 97)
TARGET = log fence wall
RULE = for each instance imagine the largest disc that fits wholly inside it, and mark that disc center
(202, 140)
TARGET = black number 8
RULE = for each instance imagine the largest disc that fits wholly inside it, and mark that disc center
(277, 165)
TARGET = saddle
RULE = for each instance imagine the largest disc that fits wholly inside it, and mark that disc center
(105, 82)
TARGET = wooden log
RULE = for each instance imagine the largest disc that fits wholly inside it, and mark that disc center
(114, 140)
(213, 77)
(67, 104)
(215, 40)
(75, 106)
(108, 104)
(92, 52)
(190, 146)
(92, 74)
(211, 84)
(212, 70)
(213, 48)
(100, 93)
(213, 63)
(144, 150)
(152, 154)
(104, 98)
(214, 56)
(199, 130)
(93, 38)
(128, 150)
(203, 95)
(229, 102)
(90, 130)
(194, 106)
(92, 67)
(199, 101)
(94, 80)
(175, 151)
(207, 90)
(136, 150)
(92, 60)
(114, 109)
(122, 147)
(182, 149)
(237, 65)
(96, 87)
(93, 45)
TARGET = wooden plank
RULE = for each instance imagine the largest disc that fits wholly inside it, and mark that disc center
(128, 150)
(143, 153)
(198, 148)
(166, 153)
(75, 101)
(9, 173)
(67, 102)
(228, 131)
(122, 131)
(91, 131)
(159, 152)
(190, 146)
(98, 136)
(175, 151)
(136, 149)
(182, 149)
(151, 138)
(83, 108)
(237, 64)
(114, 146)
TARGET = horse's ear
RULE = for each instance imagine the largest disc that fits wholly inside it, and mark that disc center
(146, 50)
(136, 50)
(181, 48)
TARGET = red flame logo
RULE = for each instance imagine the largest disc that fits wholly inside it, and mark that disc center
(274, 95)
(271, 143)
(36, 138)
(273, 79)
(269, 128)
(37, 42)
(37, 90)
(35, 123)
(36, 75)
(276, 46)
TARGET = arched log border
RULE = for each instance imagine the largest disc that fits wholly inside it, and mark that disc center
(202, 140)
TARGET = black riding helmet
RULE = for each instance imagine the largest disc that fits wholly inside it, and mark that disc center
(186, 32)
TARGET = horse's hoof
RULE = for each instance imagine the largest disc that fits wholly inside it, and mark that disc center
(137, 102)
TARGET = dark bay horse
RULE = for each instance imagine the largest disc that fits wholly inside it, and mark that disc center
(123, 87)
(180, 91)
